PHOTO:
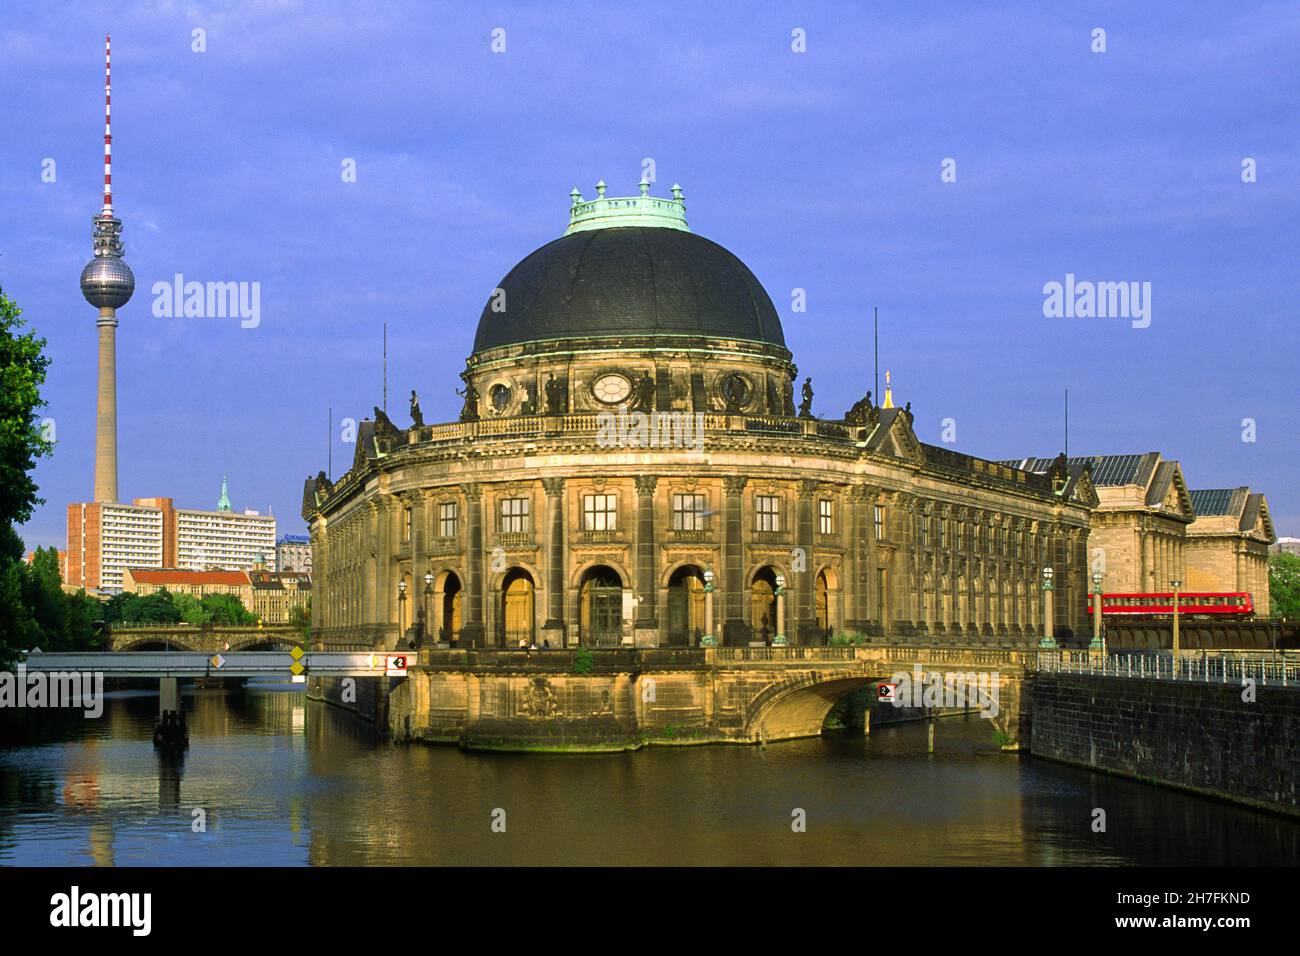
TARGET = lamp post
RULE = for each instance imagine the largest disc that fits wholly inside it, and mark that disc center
(1048, 641)
(428, 593)
(779, 639)
(1096, 644)
(401, 609)
(1176, 584)
(707, 639)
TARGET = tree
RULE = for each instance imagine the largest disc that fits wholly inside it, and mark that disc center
(225, 610)
(22, 373)
(156, 608)
(1284, 585)
(300, 618)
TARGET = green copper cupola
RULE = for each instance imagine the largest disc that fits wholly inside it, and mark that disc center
(614, 211)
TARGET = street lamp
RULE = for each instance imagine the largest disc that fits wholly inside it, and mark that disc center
(1176, 584)
(707, 639)
(1048, 641)
(1096, 644)
(401, 608)
(779, 639)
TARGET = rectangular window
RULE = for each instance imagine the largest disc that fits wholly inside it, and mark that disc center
(688, 513)
(767, 512)
(447, 514)
(993, 539)
(826, 516)
(514, 515)
(599, 512)
(925, 530)
(943, 533)
(406, 524)
(880, 522)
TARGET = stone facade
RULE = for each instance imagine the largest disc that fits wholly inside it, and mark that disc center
(872, 531)
(1227, 544)
(630, 455)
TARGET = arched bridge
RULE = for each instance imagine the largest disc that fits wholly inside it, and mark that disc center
(615, 699)
(210, 640)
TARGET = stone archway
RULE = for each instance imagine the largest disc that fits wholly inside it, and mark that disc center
(600, 607)
(448, 602)
(518, 603)
(762, 605)
(685, 606)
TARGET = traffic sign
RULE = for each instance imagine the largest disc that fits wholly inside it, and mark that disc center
(887, 692)
(395, 666)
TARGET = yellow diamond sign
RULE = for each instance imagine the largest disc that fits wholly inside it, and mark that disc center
(295, 668)
(296, 653)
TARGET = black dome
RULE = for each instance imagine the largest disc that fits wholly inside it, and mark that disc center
(629, 280)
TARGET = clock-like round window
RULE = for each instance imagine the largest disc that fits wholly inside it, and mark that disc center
(736, 390)
(611, 389)
(500, 396)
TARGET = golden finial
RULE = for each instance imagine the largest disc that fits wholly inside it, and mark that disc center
(889, 393)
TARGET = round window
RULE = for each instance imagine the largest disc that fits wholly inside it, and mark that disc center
(611, 389)
(500, 396)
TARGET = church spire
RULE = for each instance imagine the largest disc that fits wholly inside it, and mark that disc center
(223, 504)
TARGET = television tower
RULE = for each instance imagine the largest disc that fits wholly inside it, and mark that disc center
(107, 284)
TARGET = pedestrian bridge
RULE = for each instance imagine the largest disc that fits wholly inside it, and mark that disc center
(162, 664)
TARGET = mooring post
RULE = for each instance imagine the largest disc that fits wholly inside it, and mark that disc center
(170, 728)
(866, 721)
(930, 745)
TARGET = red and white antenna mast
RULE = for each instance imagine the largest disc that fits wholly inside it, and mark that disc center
(108, 129)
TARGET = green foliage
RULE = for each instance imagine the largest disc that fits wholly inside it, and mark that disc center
(22, 372)
(1284, 585)
(583, 662)
(300, 619)
(226, 610)
(848, 638)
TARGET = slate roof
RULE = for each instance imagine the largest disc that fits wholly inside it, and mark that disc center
(629, 280)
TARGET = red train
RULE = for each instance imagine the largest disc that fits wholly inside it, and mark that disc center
(1237, 604)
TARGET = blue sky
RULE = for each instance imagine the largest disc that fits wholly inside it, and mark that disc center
(821, 170)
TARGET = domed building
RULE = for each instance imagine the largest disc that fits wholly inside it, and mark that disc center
(630, 468)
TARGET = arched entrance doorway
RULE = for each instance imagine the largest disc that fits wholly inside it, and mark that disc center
(600, 596)
(447, 602)
(762, 605)
(686, 607)
(821, 598)
(518, 597)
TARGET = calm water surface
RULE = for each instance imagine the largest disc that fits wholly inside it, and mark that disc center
(286, 781)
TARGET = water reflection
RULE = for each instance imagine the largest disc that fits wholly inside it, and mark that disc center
(283, 781)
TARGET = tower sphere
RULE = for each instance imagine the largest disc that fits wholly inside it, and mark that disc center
(107, 282)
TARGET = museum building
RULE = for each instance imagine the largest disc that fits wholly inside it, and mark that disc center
(630, 468)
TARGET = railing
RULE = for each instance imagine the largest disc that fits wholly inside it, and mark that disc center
(1280, 668)
(785, 654)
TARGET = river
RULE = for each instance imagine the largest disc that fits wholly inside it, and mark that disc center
(284, 781)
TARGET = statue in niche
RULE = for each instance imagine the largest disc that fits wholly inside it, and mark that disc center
(643, 394)
(554, 395)
(787, 398)
(417, 417)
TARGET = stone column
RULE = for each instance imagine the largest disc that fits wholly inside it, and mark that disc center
(735, 631)
(385, 586)
(646, 624)
(555, 564)
(471, 631)
(862, 551)
(805, 630)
